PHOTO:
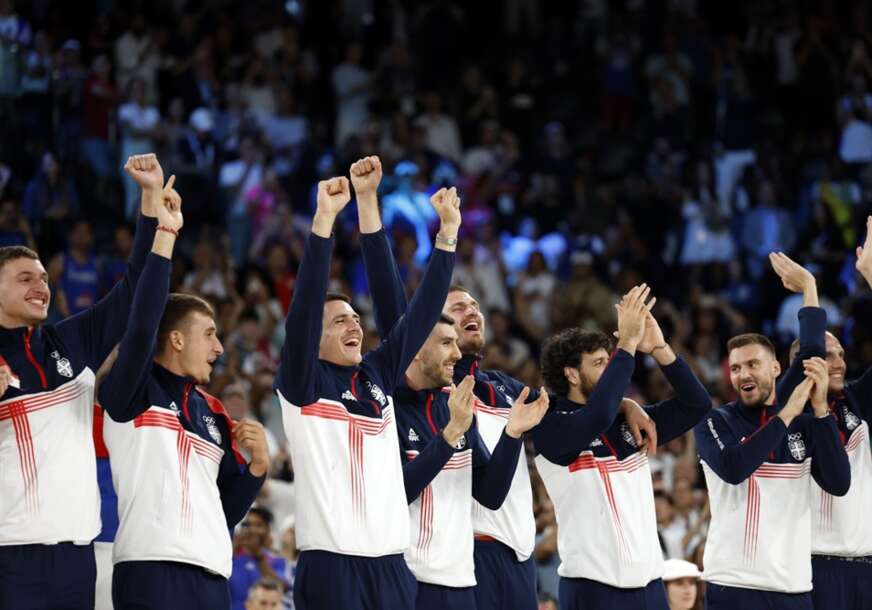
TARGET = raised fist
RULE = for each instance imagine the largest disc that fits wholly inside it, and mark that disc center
(333, 195)
(447, 205)
(366, 174)
(145, 171)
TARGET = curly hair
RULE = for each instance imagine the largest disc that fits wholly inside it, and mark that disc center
(566, 349)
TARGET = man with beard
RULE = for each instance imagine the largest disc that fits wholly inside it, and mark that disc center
(608, 544)
(758, 459)
(339, 417)
(841, 542)
(447, 464)
(505, 573)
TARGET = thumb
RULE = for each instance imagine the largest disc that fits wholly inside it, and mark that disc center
(522, 397)
(170, 183)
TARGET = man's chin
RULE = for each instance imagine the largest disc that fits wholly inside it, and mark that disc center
(472, 345)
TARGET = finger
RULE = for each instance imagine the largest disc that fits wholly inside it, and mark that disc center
(522, 397)
(343, 184)
(650, 306)
(376, 162)
(170, 183)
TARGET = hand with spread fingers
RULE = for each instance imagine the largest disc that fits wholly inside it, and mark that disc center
(632, 312)
(816, 370)
(524, 415)
(795, 277)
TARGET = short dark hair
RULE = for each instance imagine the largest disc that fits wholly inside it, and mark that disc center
(179, 306)
(262, 512)
(751, 339)
(458, 288)
(337, 296)
(10, 253)
(445, 319)
(565, 349)
(267, 584)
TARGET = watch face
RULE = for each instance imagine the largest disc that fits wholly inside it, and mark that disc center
(460, 443)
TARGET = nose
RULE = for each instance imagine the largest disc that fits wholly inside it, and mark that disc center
(219, 349)
(455, 352)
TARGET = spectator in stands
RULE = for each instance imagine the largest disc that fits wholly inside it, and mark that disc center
(139, 122)
(265, 594)
(681, 578)
(253, 559)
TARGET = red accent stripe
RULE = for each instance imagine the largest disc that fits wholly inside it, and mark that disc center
(429, 410)
(608, 444)
(33, 361)
(185, 397)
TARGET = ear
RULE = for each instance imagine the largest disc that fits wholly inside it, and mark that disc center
(776, 367)
(572, 375)
(177, 340)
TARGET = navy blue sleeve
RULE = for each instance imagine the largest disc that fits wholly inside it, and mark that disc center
(812, 342)
(237, 486)
(419, 472)
(296, 378)
(99, 328)
(385, 285)
(491, 481)
(690, 404)
(410, 332)
(829, 465)
(123, 392)
(562, 435)
(730, 458)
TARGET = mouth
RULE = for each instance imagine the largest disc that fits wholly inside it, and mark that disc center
(471, 327)
(38, 301)
(352, 342)
(748, 387)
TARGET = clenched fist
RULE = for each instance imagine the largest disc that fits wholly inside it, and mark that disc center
(250, 436)
(366, 174)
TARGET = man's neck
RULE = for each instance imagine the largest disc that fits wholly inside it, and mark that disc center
(170, 363)
(577, 396)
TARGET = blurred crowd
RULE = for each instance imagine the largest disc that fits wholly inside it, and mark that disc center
(596, 144)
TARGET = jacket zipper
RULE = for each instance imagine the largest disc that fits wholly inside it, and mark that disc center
(33, 361)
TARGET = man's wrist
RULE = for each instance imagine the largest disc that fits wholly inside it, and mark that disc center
(451, 434)
(449, 230)
(366, 197)
(628, 346)
(663, 354)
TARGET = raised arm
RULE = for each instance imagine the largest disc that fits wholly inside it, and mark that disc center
(299, 355)
(411, 331)
(829, 466)
(385, 285)
(99, 328)
(492, 478)
(123, 392)
(812, 319)
(734, 459)
(691, 402)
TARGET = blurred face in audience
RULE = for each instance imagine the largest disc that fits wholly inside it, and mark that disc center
(24, 292)
(753, 370)
(681, 593)
(261, 598)
(468, 321)
(341, 334)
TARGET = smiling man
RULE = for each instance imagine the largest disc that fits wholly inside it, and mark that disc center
(338, 414)
(181, 481)
(49, 499)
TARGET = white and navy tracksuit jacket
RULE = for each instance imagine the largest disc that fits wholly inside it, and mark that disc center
(610, 537)
(759, 474)
(48, 482)
(441, 482)
(181, 483)
(341, 420)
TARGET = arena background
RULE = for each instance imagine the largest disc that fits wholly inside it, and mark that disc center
(596, 145)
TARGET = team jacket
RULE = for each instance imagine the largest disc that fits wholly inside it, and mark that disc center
(181, 482)
(340, 420)
(600, 483)
(441, 482)
(759, 475)
(513, 523)
(48, 482)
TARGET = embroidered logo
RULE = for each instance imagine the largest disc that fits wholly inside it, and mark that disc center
(377, 393)
(796, 446)
(347, 395)
(851, 420)
(174, 407)
(63, 365)
(596, 443)
(214, 432)
(413, 436)
(627, 435)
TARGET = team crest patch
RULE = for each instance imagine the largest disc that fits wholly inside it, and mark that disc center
(796, 446)
(851, 420)
(214, 432)
(63, 365)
